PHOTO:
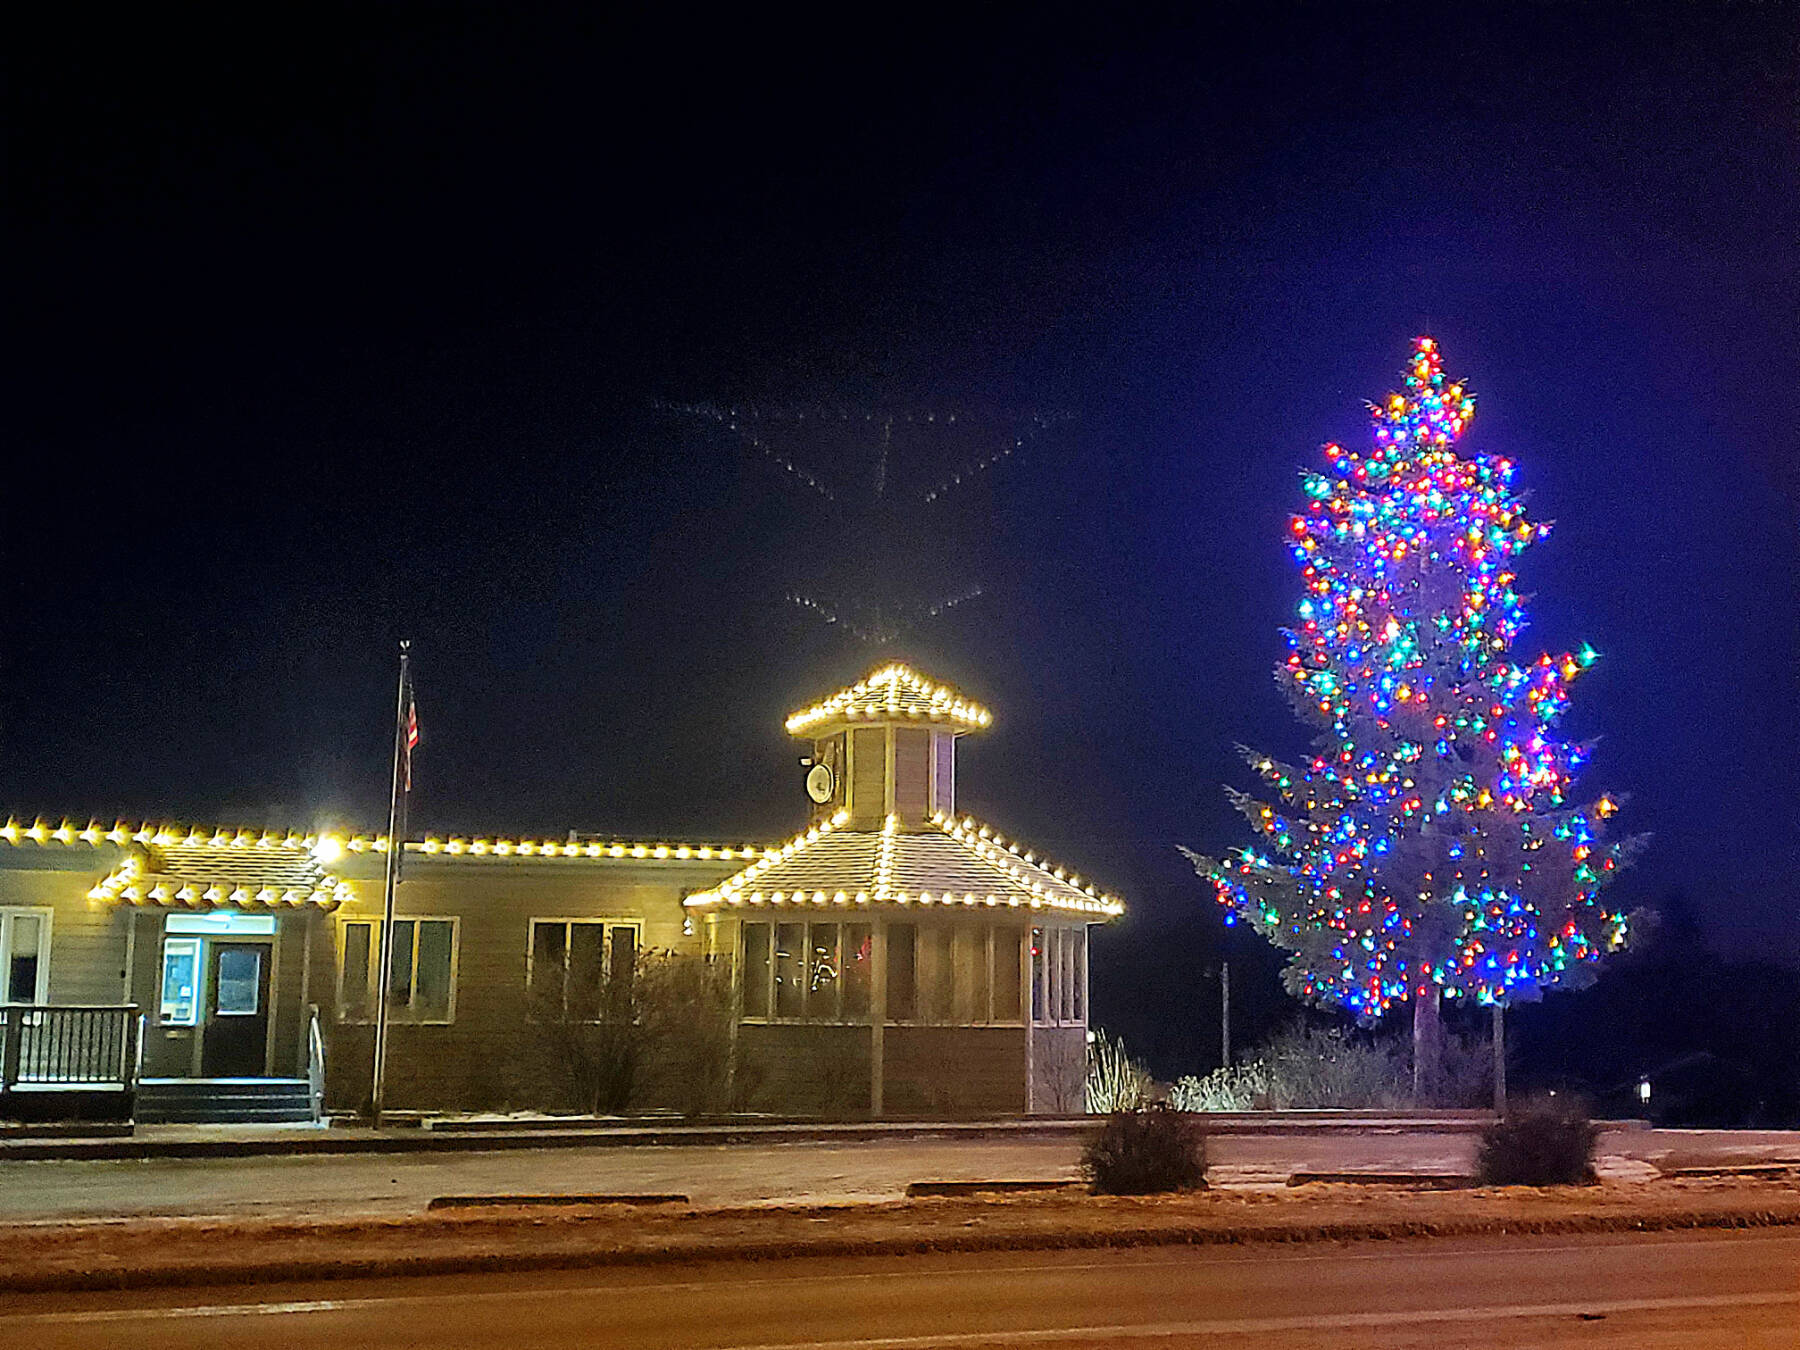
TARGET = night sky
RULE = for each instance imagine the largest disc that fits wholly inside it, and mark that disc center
(359, 324)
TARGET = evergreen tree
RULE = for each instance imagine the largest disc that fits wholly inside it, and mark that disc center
(1429, 847)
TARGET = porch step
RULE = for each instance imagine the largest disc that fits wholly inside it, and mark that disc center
(223, 1101)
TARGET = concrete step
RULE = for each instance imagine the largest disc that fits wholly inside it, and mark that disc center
(224, 1101)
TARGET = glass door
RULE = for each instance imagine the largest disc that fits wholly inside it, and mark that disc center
(236, 1039)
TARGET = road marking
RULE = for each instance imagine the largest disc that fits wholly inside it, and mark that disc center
(1269, 1326)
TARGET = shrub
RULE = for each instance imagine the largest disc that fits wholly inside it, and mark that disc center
(1543, 1141)
(1114, 1082)
(1305, 1067)
(1312, 1068)
(684, 1009)
(1145, 1151)
(656, 1032)
(1240, 1087)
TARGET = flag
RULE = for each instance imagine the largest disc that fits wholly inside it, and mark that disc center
(412, 733)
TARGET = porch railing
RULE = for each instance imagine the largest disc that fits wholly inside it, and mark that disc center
(43, 1046)
(315, 1062)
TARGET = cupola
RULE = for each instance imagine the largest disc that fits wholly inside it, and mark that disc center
(886, 746)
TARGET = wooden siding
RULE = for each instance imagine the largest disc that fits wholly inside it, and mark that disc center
(912, 773)
(87, 937)
(1058, 1070)
(954, 1071)
(492, 1055)
(794, 1069)
(868, 772)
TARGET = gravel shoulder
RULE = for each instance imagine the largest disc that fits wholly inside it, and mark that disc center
(156, 1252)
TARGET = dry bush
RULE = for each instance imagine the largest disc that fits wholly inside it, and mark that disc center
(1542, 1141)
(1144, 1152)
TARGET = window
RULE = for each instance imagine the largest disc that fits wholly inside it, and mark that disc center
(1074, 976)
(935, 975)
(971, 975)
(1058, 975)
(1039, 972)
(812, 972)
(1077, 974)
(858, 965)
(240, 981)
(1005, 942)
(356, 999)
(180, 982)
(582, 969)
(822, 968)
(790, 958)
(422, 987)
(902, 973)
(756, 970)
(24, 955)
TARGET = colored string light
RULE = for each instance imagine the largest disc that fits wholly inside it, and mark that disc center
(1432, 838)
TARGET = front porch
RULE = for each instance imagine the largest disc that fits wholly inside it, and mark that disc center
(68, 1063)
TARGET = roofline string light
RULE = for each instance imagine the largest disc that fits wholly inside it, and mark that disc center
(896, 692)
(330, 846)
(1033, 883)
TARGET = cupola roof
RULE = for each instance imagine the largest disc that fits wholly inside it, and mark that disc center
(894, 693)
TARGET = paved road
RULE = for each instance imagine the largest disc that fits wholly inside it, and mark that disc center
(733, 1174)
(1618, 1293)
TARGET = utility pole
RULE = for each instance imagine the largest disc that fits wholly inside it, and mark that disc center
(1225, 1014)
(1499, 1060)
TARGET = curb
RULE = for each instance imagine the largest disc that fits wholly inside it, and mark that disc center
(1419, 1181)
(1195, 1235)
(916, 1189)
(512, 1201)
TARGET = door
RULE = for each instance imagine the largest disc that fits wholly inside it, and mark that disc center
(236, 1039)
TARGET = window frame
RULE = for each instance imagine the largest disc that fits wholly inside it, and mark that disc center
(839, 984)
(405, 1016)
(1059, 990)
(45, 915)
(606, 924)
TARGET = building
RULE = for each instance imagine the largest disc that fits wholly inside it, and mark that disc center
(895, 958)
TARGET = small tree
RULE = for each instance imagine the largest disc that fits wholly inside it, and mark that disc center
(684, 1009)
(1429, 846)
(591, 1046)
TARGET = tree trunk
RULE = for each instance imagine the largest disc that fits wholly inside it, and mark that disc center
(1428, 1045)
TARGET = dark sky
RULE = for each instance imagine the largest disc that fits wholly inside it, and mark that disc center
(355, 323)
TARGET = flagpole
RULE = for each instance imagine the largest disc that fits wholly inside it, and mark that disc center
(396, 831)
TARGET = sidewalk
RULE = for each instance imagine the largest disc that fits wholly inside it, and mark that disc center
(479, 1134)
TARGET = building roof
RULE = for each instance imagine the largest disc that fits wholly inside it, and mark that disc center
(178, 865)
(894, 693)
(202, 874)
(953, 861)
(328, 847)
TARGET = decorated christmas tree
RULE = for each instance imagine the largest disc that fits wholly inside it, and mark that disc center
(1429, 848)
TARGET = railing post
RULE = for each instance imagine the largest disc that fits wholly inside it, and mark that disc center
(137, 1049)
(9, 1047)
(315, 1063)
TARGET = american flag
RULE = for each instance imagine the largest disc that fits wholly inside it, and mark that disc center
(412, 734)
